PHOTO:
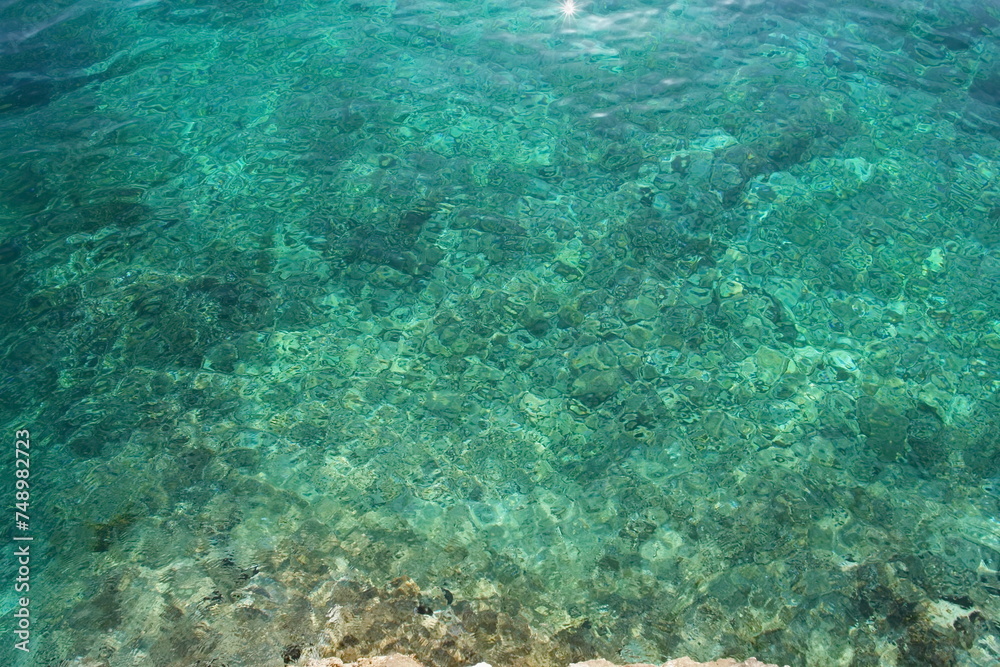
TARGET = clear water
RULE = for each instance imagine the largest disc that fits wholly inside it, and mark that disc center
(514, 332)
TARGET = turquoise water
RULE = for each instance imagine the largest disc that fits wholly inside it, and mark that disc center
(523, 332)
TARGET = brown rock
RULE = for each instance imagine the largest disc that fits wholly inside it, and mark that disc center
(394, 660)
(397, 660)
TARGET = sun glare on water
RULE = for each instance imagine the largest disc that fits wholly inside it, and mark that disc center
(569, 9)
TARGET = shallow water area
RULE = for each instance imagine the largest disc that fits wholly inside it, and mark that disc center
(521, 333)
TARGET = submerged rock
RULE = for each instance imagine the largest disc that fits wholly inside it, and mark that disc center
(397, 660)
(680, 662)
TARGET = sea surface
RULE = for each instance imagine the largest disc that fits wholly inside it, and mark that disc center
(518, 332)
